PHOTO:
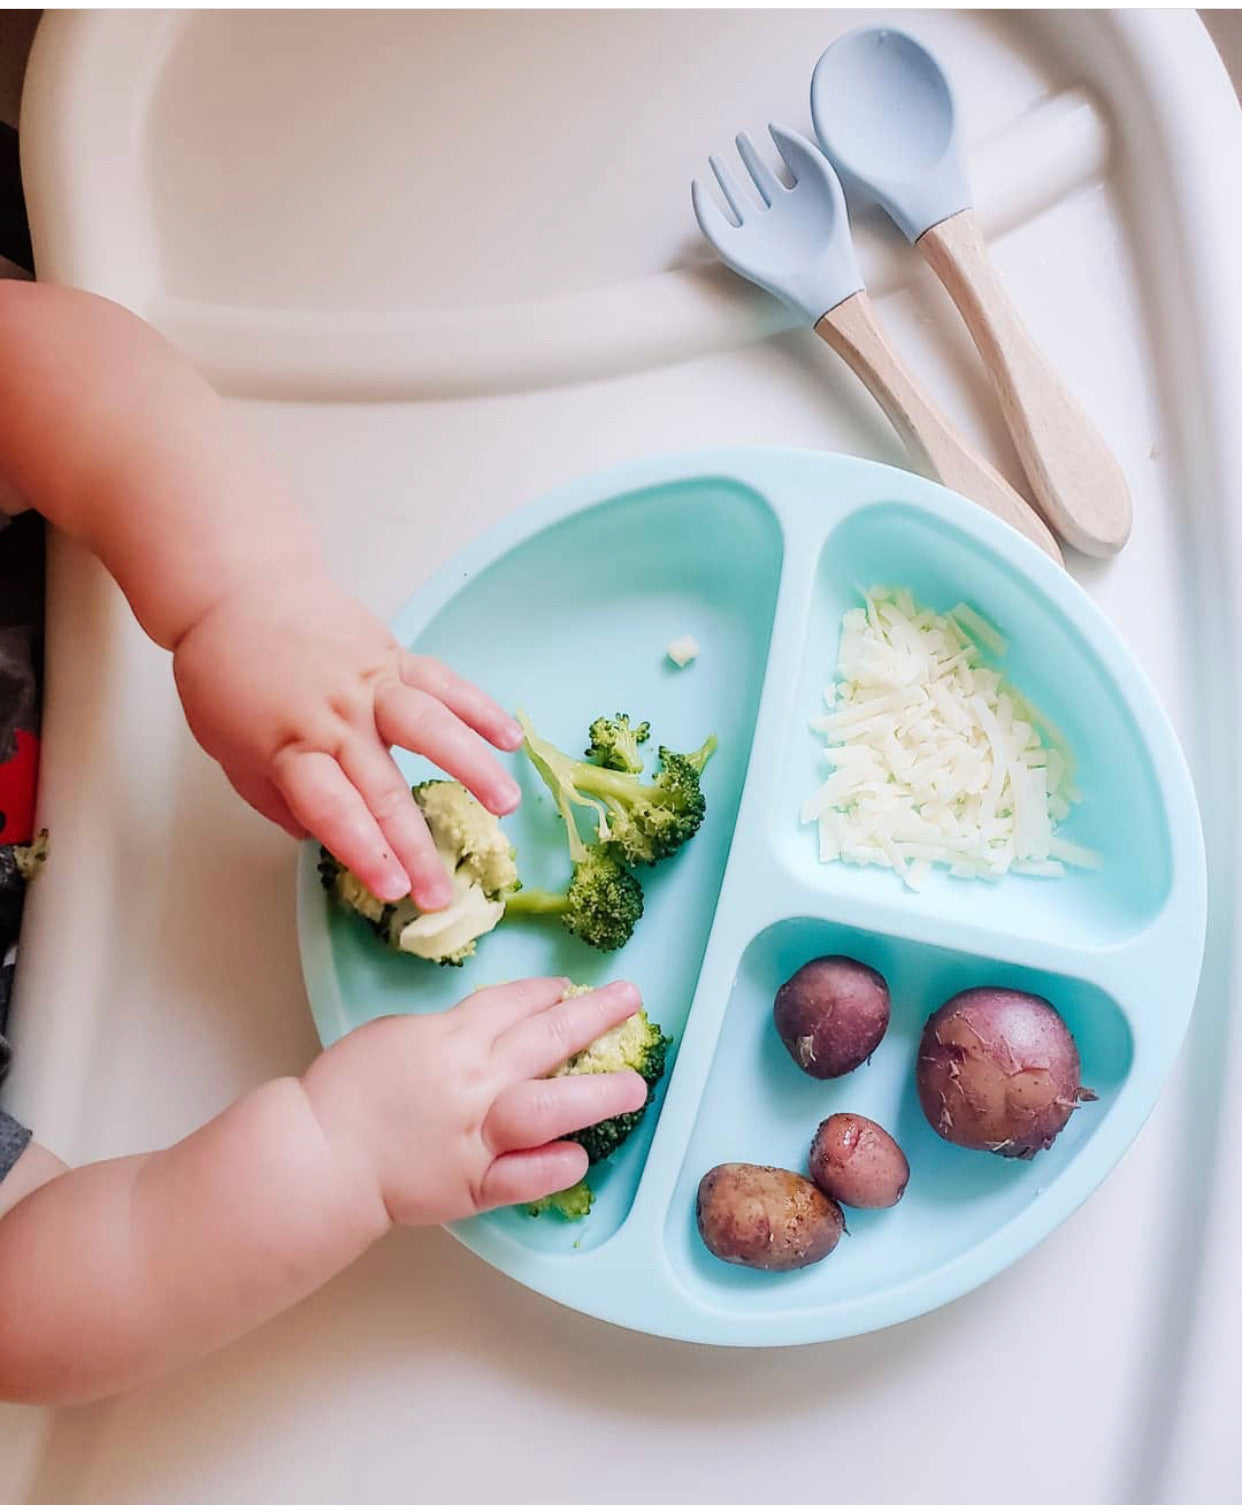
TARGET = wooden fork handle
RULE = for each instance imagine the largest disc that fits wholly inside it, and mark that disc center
(853, 332)
(1073, 475)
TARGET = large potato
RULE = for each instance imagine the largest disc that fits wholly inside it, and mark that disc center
(765, 1218)
(857, 1163)
(999, 1070)
(831, 1015)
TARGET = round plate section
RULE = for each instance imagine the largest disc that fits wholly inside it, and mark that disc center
(566, 609)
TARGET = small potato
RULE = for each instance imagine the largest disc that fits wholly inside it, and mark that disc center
(855, 1162)
(765, 1218)
(831, 1015)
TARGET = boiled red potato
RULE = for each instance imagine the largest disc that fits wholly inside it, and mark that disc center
(857, 1163)
(766, 1218)
(831, 1015)
(999, 1070)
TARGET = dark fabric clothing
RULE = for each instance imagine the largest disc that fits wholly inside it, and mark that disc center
(13, 1141)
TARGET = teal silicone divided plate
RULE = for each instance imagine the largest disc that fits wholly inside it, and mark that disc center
(566, 609)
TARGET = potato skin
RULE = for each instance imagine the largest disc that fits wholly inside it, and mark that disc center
(831, 1015)
(998, 1070)
(766, 1218)
(857, 1163)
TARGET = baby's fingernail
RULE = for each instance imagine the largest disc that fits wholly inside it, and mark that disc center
(511, 734)
(623, 989)
(395, 885)
(510, 793)
(435, 893)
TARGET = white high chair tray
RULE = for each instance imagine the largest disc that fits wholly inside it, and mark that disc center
(311, 206)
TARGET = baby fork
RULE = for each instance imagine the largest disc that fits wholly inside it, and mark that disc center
(796, 244)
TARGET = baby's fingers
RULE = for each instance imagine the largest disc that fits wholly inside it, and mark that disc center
(470, 703)
(265, 799)
(534, 1113)
(327, 804)
(541, 1043)
(387, 794)
(417, 721)
(493, 1009)
(534, 1173)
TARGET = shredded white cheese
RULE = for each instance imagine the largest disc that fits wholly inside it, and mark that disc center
(682, 651)
(936, 759)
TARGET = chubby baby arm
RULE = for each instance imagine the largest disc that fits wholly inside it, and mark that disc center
(286, 680)
(113, 1273)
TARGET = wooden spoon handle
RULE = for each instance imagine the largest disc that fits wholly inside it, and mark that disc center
(852, 331)
(1075, 478)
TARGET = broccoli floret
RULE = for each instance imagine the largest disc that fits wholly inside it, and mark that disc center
(637, 1044)
(464, 830)
(601, 905)
(614, 743)
(446, 937)
(644, 822)
(572, 1204)
(480, 862)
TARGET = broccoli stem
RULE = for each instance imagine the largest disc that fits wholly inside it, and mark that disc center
(700, 757)
(556, 771)
(620, 786)
(537, 900)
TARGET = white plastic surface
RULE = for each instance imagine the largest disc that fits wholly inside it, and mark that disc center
(484, 218)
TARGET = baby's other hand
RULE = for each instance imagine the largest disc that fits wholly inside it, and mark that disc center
(299, 692)
(449, 1114)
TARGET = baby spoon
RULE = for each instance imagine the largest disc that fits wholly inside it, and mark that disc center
(885, 116)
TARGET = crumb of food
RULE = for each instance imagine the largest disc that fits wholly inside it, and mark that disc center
(682, 651)
(30, 857)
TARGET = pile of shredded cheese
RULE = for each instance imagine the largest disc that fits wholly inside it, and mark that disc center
(936, 759)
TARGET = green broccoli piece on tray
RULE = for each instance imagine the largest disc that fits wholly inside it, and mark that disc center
(572, 1204)
(635, 823)
(600, 906)
(468, 837)
(480, 862)
(643, 822)
(637, 1044)
(614, 743)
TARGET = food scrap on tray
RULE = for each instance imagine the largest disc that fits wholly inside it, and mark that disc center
(937, 759)
(683, 650)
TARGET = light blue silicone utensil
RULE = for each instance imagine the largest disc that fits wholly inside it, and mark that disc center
(795, 243)
(758, 554)
(885, 115)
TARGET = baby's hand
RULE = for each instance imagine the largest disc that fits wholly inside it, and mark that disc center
(298, 692)
(448, 1114)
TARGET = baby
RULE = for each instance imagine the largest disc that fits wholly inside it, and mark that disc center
(112, 1273)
